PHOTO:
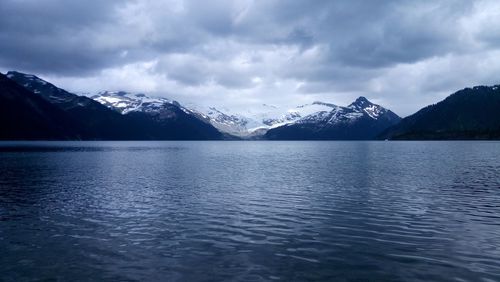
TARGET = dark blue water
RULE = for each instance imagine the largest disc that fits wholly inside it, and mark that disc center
(250, 211)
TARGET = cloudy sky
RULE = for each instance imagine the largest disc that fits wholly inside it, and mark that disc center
(401, 54)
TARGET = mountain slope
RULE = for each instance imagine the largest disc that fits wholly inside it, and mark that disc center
(225, 121)
(27, 116)
(249, 124)
(161, 118)
(471, 113)
(148, 120)
(99, 122)
(124, 102)
(254, 123)
(361, 120)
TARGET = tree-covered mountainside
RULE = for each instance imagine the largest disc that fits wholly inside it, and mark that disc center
(27, 116)
(471, 113)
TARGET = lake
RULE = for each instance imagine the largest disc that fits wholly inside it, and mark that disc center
(250, 211)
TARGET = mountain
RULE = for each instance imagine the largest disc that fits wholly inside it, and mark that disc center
(361, 120)
(162, 118)
(27, 116)
(249, 124)
(224, 120)
(275, 117)
(471, 113)
(255, 122)
(124, 102)
(97, 120)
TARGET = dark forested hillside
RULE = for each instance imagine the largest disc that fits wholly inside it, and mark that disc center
(471, 113)
(27, 116)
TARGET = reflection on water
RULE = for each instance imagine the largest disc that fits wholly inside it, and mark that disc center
(259, 211)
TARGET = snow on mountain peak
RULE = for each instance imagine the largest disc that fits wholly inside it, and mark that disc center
(362, 100)
(372, 110)
(126, 102)
(253, 121)
(257, 119)
(27, 77)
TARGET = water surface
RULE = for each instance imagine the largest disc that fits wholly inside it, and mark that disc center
(250, 211)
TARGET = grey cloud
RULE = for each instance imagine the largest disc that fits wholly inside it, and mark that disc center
(55, 36)
(371, 34)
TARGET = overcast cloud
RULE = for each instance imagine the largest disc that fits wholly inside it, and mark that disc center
(401, 54)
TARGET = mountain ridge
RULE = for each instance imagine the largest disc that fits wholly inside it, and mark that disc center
(99, 122)
(470, 113)
(361, 120)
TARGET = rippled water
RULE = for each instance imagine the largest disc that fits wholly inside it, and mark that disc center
(257, 211)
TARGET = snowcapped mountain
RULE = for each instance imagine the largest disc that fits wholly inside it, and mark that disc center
(120, 115)
(224, 120)
(360, 120)
(363, 105)
(361, 108)
(250, 123)
(257, 121)
(125, 102)
(167, 115)
(272, 116)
